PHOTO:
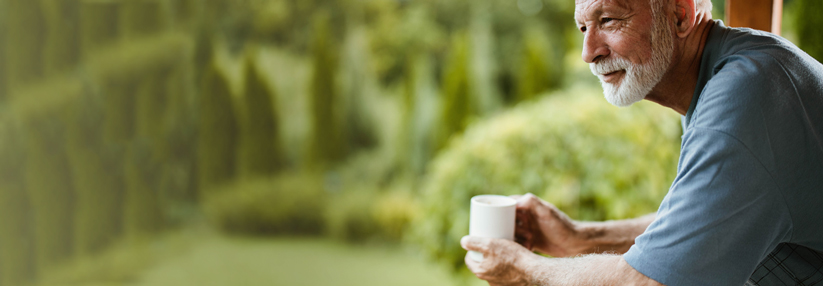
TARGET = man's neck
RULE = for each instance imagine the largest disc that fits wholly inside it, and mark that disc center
(676, 88)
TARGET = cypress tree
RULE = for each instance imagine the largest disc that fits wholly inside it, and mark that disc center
(535, 74)
(456, 92)
(260, 151)
(326, 144)
(217, 131)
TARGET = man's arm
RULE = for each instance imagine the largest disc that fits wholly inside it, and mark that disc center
(508, 263)
(611, 236)
(544, 228)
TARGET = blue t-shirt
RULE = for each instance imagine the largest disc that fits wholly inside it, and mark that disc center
(750, 175)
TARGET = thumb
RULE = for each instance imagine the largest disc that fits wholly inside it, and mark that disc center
(475, 243)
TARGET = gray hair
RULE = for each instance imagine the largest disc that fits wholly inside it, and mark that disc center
(699, 5)
(703, 5)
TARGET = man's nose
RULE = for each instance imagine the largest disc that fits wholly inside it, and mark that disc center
(594, 47)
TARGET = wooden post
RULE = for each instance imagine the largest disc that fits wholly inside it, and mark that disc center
(763, 15)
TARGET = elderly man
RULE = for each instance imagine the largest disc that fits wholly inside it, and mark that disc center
(746, 206)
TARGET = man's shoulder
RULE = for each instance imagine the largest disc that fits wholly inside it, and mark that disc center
(755, 73)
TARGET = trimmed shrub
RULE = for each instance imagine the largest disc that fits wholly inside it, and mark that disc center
(394, 212)
(287, 204)
(361, 214)
(349, 215)
(573, 149)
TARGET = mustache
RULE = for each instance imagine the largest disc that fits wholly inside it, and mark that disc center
(609, 65)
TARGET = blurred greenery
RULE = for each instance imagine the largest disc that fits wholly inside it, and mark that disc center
(546, 148)
(807, 24)
(364, 122)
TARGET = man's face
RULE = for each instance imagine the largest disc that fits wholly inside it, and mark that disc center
(628, 45)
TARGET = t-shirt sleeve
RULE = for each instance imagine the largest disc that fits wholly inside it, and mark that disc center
(720, 218)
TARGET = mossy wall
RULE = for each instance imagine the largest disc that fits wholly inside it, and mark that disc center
(96, 176)
(49, 184)
(99, 24)
(17, 263)
(84, 128)
(141, 17)
(61, 50)
(25, 27)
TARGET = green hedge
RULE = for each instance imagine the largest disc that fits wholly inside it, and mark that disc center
(594, 161)
(286, 204)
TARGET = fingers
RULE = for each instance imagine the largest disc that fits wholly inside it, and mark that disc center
(474, 266)
(525, 199)
(523, 232)
(473, 243)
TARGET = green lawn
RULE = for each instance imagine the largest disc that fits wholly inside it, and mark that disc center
(292, 262)
(211, 259)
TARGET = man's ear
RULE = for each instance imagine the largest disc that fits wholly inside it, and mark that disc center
(685, 16)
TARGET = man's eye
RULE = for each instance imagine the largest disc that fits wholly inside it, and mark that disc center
(606, 20)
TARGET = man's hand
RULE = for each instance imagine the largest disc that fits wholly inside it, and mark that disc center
(508, 263)
(544, 228)
(503, 261)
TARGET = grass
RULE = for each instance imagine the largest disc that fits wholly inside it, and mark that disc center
(205, 259)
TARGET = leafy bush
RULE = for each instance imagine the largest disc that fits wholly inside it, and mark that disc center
(394, 213)
(573, 149)
(349, 216)
(286, 204)
(359, 215)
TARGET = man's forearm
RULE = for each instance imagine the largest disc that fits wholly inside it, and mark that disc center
(611, 236)
(595, 269)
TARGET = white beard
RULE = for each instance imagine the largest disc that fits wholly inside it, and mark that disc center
(639, 79)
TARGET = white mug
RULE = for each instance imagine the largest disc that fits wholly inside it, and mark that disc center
(491, 216)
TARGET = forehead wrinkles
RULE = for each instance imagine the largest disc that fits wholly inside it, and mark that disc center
(584, 9)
